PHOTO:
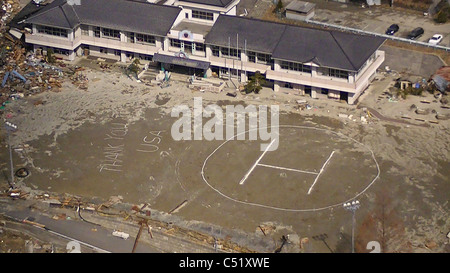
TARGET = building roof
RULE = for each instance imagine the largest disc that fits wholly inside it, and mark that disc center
(294, 43)
(215, 3)
(123, 15)
(326, 48)
(256, 35)
(300, 6)
(442, 78)
(27, 11)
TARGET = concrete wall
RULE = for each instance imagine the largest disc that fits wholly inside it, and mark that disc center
(299, 16)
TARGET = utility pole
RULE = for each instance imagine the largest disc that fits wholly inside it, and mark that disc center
(352, 207)
(10, 127)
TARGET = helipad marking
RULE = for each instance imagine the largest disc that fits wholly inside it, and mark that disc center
(287, 169)
(292, 209)
(256, 163)
(320, 172)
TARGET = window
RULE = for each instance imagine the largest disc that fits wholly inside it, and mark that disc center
(52, 31)
(145, 57)
(215, 51)
(225, 72)
(117, 52)
(295, 67)
(110, 33)
(187, 46)
(60, 51)
(199, 47)
(252, 57)
(202, 15)
(263, 58)
(145, 39)
(230, 52)
(85, 30)
(338, 73)
(175, 43)
(97, 32)
(130, 38)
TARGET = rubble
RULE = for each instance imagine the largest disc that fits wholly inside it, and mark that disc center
(25, 73)
(206, 84)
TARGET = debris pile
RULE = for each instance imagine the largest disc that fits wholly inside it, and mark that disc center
(8, 8)
(25, 74)
(206, 84)
(79, 79)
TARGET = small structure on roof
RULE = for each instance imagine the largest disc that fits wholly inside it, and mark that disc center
(299, 10)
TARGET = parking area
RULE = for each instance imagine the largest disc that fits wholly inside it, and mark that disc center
(374, 19)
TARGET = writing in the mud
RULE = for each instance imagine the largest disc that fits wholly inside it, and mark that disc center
(113, 151)
(150, 142)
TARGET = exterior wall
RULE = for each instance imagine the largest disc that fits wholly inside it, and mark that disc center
(299, 16)
(290, 81)
(75, 39)
(354, 85)
(187, 7)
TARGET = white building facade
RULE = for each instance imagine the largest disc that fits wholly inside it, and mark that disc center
(207, 36)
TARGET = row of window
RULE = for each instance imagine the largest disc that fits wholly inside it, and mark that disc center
(117, 52)
(260, 58)
(295, 67)
(337, 73)
(203, 15)
(331, 72)
(193, 46)
(187, 46)
(225, 52)
(115, 34)
(52, 31)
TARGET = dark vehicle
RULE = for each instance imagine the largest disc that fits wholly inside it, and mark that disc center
(415, 33)
(392, 29)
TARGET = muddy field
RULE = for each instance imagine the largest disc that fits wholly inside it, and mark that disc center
(115, 139)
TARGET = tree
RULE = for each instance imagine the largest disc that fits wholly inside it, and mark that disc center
(50, 58)
(384, 226)
(279, 6)
(134, 67)
(441, 17)
(255, 83)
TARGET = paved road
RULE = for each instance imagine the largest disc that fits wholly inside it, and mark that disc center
(98, 235)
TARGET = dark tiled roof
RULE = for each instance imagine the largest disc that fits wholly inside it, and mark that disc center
(56, 14)
(23, 14)
(261, 36)
(117, 14)
(216, 3)
(326, 48)
(293, 43)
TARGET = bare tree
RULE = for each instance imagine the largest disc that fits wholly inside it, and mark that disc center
(383, 225)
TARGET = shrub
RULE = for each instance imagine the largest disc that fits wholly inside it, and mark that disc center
(441, 17)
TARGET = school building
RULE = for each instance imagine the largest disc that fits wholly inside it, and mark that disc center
(207, 37)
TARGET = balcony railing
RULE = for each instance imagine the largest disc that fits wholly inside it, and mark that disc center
(64, 43)
(328, 82)
(237, 64)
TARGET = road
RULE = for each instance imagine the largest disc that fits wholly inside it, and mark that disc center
(93, 237)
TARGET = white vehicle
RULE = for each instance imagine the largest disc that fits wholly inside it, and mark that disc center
(436, 39)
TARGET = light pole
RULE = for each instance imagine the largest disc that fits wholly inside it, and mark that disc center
(352, 207)
(10, 127)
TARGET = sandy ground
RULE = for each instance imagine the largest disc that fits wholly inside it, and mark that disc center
(413, 157)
